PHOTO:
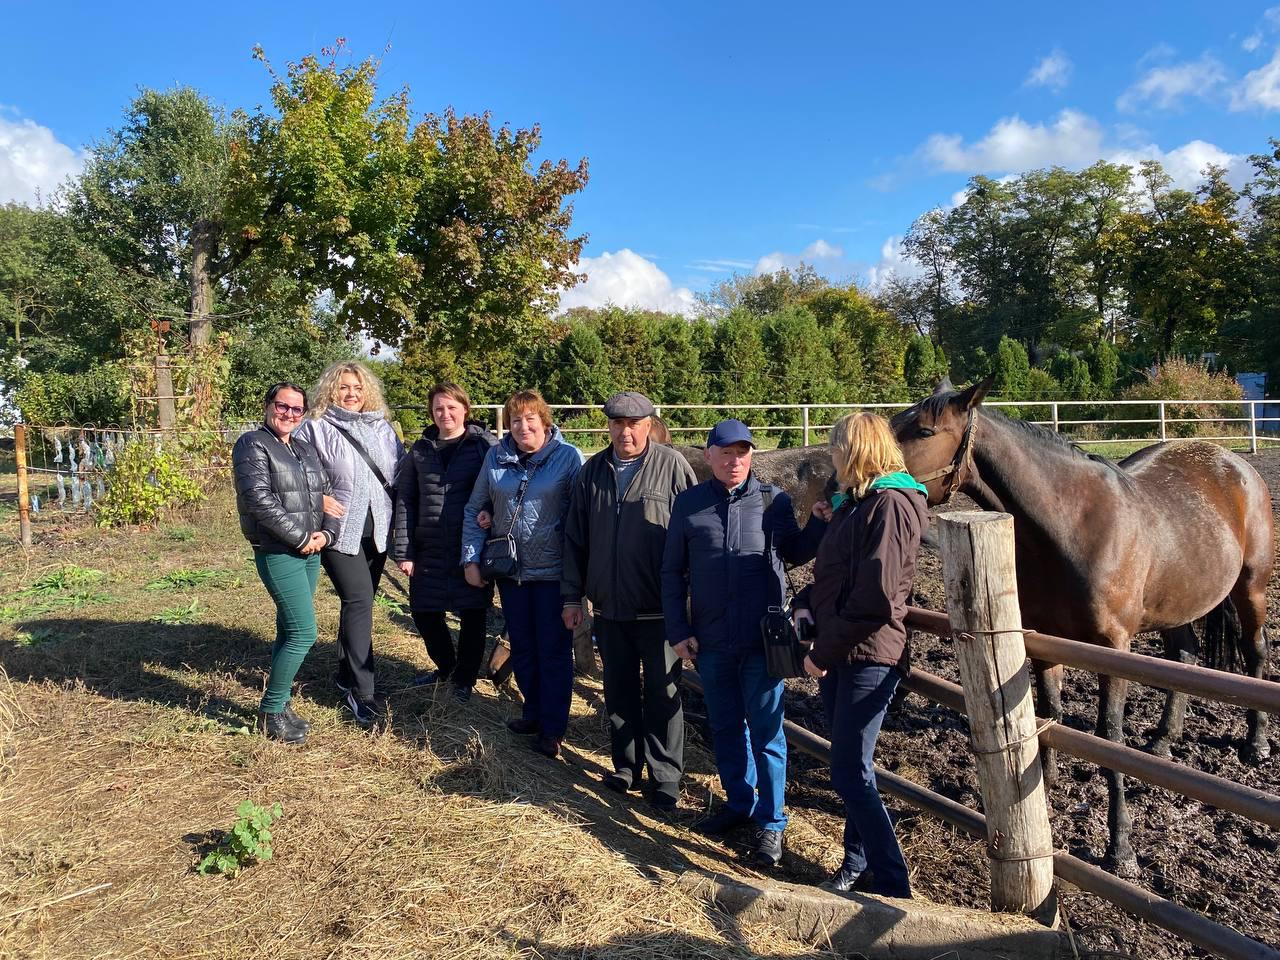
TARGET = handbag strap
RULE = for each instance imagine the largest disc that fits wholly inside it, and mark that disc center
(766, 494)
(364, 455)
(524, 487)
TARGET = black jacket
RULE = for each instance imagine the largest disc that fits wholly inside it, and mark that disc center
(280, 492)
(613, 551)
(862, 580)
(428, 519)
(717, 579)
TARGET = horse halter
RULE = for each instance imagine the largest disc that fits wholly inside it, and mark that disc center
(963, 458)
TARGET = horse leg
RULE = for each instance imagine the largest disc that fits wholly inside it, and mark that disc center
(1179, 646)
(1119, 858)
(1048, 706)
(1250, 600)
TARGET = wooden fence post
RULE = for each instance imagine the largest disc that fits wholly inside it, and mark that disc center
(982, 603)
(24, 494)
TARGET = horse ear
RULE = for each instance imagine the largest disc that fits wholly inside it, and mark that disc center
(944, 386)
(974, 396)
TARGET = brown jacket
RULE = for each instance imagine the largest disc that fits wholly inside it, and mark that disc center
(862, 579)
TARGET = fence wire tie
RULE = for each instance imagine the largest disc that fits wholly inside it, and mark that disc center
(991, 855)
(1033, 735)
(974, 634)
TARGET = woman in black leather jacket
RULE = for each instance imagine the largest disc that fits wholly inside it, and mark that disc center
(280, 490)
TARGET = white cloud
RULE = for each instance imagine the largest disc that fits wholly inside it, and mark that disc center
(1054, 71)
(33, 162)
(627, 279)
(1165, 87)
(720, 265)
(893, 262)
(1073, 140)
(1259, 88)
(817, 251)
(1251, 43)
(1013, 144)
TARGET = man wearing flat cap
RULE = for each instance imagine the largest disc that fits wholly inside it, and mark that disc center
(721, 572)
(614, 536)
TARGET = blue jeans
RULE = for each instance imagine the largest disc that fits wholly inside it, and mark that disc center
(856, 698)
(744, 710)
(541, 652)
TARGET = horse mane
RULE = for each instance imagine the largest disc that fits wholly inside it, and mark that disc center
(1050, 438)
(936, 404)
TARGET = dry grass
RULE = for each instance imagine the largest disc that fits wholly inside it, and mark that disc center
(122, 755)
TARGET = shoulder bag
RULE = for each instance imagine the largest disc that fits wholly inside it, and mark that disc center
(500, 557)
(364, 455)
(784, 652)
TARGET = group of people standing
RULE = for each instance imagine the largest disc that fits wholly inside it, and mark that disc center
(675, 570)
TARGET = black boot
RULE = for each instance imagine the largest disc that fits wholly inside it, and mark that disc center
(277, 727)
(294, 719)
(842, 880)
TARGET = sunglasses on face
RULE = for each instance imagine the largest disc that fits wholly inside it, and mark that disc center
(284, 410)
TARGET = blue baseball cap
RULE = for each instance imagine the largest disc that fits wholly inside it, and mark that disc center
(729, 431)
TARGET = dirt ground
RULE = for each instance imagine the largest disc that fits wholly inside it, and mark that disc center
(1213, 862)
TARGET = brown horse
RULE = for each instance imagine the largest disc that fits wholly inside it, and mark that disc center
(1175, 532)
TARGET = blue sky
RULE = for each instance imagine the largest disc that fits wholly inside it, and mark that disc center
(721, 137)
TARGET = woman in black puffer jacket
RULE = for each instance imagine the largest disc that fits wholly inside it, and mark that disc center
(432, 489)
(280, 490)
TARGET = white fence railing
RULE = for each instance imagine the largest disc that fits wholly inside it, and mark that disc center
(1259, 420)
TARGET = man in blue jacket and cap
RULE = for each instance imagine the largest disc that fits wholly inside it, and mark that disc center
(721, 571)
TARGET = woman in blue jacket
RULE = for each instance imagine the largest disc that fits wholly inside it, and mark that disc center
(526, 481)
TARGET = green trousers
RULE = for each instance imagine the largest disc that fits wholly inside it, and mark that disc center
(291, 581)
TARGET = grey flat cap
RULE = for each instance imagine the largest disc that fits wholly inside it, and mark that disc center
(628, 404)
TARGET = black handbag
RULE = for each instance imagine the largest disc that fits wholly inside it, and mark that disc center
(500, 558)
(784, 650)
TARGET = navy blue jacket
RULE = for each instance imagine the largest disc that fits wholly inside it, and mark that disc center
(714, 561)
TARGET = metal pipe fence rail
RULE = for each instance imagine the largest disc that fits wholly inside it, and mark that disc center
(1262, 418)
(1191, 926)
(1255, 805)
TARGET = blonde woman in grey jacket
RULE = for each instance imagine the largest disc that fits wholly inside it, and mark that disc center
(349, 429)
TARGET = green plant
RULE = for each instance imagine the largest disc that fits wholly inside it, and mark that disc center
(64, 579)
(180, 534)
(178, 616)
(145, 483)
(389, 604)
(247, 842)
(183, 579)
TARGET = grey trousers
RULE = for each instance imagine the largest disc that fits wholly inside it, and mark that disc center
(646, 718)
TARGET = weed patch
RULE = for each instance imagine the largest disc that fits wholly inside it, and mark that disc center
(247, 843)
(180, 616)
(184, 579)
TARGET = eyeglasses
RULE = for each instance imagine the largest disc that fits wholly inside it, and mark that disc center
(284, 410)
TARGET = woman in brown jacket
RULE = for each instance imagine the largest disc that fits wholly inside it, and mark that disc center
(856, 605)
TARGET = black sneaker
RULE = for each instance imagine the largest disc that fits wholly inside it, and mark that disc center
(461, 694)
(721, 822)
(429, 679)
(842, 880)
(547, 746)
(665, 796)
(344, 686)
(617, 782)
(768, 849)
(365, 713)
(294, 719)
(277, 727)
(525, 728)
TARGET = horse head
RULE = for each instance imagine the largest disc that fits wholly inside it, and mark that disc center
(936, 437)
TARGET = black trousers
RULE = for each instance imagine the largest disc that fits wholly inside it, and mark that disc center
(464, 666)
(356, 578)
(646, 718)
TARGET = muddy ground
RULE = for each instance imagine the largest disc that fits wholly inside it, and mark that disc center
(1213, 862)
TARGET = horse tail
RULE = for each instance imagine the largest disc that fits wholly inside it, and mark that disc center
(1223, 637)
